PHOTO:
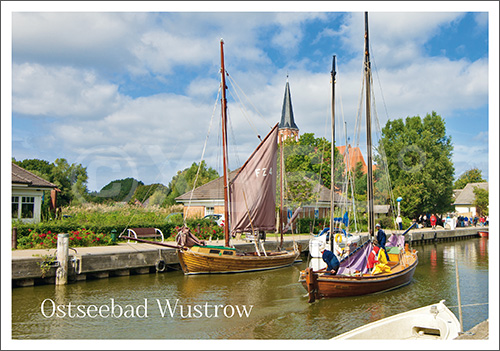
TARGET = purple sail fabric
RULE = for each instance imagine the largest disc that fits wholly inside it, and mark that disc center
(356, 261)
(396, 241)
(253, 189)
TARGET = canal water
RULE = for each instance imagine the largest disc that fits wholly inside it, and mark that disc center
(263, 305)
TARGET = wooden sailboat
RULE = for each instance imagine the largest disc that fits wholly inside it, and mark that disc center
(249, 206)
(353, 278)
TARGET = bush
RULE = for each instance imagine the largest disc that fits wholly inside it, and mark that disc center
(48, 240)
(103, 219)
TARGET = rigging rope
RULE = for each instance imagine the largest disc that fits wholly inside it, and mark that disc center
(202, 154)
(250, 101)
(199, 166)
(381, 151)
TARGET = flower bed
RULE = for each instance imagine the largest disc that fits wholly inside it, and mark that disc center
(48, 240)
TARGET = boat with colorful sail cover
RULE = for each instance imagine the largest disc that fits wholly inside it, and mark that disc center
(354, 277)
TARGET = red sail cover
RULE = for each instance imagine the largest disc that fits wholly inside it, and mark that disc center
(253, 189)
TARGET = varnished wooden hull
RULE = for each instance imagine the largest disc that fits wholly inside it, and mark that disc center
(320, 285)
(199, 262)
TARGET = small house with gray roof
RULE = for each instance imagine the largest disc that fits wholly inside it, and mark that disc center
(27, 194)
(464, 199)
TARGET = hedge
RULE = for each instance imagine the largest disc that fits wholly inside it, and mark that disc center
(203, 229)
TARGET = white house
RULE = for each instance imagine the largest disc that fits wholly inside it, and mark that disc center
(464, 199)
(27, 192)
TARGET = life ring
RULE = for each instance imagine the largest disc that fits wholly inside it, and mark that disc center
(338, 238)
(160, 265)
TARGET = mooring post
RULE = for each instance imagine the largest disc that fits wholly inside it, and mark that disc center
(14, 237)
(62, 258)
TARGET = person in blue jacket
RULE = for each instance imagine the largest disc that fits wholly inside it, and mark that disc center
(331, 261)
(381, 239)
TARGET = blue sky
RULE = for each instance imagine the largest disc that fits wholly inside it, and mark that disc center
(131, 94)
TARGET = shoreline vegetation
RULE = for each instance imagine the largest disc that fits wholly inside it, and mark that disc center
(93, 224)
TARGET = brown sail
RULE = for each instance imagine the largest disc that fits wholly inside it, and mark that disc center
(253, 189)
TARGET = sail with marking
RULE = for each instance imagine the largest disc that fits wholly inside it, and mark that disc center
(253, 189)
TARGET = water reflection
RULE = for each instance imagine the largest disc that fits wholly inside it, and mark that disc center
(279, 306)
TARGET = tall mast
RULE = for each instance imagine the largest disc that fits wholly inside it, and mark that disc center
(224, 145)
(332, 181)
(369, 192)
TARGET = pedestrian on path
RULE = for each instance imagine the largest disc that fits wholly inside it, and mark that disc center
(433, 221)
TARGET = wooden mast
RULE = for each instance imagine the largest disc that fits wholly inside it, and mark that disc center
(332, 182)
(369, 193)
(224, 145)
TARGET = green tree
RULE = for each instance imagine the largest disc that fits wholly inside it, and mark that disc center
(307, 163)
(418, 157)
(70, 179)
(143, 192)
(159, 196)
(119, 190)
(481, 201)
(183, 181)
(360, 182)
(41, 168)
(473, 175)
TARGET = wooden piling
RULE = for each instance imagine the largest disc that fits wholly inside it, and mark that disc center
(62, 259)
(14, 238)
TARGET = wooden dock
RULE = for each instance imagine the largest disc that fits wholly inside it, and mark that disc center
(33, 267)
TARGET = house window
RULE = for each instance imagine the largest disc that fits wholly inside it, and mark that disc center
(27, 207)
(15, 206)
(209, 210)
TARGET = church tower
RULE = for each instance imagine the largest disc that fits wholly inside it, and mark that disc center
(287, 127)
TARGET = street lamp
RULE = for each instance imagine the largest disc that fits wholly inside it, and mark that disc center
(399, 199)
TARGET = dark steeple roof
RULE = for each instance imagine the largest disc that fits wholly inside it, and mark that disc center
(287, 121)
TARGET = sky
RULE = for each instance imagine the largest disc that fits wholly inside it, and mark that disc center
(130, 89)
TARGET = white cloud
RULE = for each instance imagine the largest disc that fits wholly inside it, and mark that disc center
(162, 133)
(61, 92)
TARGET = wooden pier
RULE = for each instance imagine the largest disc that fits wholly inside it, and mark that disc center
(33, 267)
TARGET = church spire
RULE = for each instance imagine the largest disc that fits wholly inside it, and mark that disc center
(287, 126)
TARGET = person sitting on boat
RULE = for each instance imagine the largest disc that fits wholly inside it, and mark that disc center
(381, 239)
(372, 258)
(331, 261)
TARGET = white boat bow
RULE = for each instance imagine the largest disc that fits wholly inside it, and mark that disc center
(433, 322)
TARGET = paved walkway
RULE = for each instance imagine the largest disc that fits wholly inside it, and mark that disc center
(132, 246)
(124, 247)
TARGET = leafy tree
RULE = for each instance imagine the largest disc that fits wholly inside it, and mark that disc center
(183, 181)
(159, 196)
(307, 162)
(473, 175)
(120, 190)
(418, 155)
(481, 201)
(41, 168)
(359, 180)
(70, 179)
(143, 192)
